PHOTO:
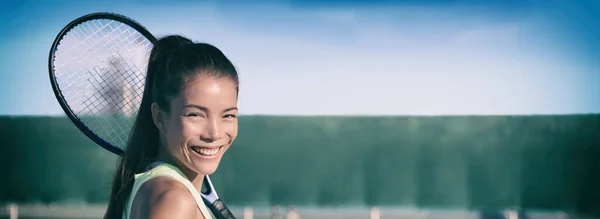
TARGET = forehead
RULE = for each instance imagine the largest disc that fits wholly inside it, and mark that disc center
(209, 91)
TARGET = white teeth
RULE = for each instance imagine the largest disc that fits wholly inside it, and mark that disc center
(207, 152)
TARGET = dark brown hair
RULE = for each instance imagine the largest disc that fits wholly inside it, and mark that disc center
(173, 62)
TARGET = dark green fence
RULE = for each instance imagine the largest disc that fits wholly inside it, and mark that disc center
(535, 162)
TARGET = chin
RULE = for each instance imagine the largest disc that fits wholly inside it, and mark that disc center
(207, 169)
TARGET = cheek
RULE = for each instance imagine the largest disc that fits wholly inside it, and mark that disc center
(231, 129)
(175, 129)
(190, 128)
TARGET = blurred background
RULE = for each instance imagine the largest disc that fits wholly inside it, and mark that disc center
(349, 109)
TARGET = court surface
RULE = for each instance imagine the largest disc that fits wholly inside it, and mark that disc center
(96, 212)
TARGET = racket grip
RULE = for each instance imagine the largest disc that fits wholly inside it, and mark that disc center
(220, 210)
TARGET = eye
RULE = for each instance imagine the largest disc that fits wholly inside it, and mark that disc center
(194, 115)
(230, 116)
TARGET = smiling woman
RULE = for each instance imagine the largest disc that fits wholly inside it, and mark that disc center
(186, 122)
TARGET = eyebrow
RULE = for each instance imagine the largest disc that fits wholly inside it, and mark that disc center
(203, 108)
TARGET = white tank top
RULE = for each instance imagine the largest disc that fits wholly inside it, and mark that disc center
(164, 169)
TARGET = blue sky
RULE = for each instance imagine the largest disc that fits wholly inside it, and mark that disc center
(349, 57)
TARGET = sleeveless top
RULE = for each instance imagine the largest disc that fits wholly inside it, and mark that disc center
(164, 169)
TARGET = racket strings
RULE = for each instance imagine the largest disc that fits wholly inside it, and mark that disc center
(100, 69)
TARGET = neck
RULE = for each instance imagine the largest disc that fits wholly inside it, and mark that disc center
(195, 178)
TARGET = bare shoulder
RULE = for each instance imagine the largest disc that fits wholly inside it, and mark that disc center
(164, 197)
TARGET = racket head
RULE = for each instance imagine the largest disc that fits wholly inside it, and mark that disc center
(81, 56)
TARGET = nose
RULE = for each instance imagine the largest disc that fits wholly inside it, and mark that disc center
(212, 132)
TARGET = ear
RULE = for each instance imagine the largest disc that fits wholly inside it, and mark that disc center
(158, 117)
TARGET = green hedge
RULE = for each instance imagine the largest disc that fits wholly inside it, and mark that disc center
(534, 162)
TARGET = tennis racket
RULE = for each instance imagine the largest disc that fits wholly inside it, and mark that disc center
(97, 69)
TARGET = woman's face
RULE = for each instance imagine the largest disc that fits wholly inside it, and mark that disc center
(202, 123)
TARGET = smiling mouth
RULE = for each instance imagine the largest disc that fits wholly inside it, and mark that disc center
(206, 151)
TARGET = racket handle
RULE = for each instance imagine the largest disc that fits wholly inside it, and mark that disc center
(220, 210)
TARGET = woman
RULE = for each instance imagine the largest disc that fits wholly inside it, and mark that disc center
(186, 122)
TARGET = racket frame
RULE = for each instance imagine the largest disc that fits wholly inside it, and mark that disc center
(56, 89)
